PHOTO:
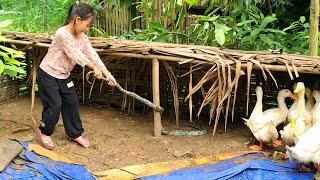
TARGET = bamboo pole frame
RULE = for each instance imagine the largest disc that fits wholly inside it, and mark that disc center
(156, 97)
(226, 66)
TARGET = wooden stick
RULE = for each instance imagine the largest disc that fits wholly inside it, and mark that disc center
(9, 120)
(156, 107)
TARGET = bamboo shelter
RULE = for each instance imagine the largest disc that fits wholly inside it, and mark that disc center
(213, 75)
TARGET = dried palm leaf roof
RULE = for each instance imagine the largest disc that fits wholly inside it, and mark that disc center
(226, 65)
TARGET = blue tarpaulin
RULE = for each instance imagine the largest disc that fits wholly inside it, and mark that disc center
(34, 166)
(250, 166)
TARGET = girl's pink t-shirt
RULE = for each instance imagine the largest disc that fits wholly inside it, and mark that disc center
(65, 52)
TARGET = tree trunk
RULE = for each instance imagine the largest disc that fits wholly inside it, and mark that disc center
(314, 26)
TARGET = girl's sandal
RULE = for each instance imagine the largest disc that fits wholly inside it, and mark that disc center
(84, 142)
(45, 140)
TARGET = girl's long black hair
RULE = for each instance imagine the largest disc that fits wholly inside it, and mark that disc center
(83, 10)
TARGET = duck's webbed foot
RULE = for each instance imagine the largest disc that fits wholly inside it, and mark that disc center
(275, 143)
(256, 147)
(304, 168)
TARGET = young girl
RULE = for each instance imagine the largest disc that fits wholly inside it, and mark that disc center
(69, 47)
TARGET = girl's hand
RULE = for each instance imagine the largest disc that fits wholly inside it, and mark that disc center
(97, 72)
(111, 80)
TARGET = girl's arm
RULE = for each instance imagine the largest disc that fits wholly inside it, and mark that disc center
(94, 57)
(72, 52)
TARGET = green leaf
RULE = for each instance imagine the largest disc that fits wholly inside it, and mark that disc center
(165, 37)
(255, 32)
(266, 21)
(9, 50)
(225, 28)
(244, 22)
(138, 30)
(246, 39)
(211, 19)
(1, 67)
(267, 40)
(19, 55)
(248, 2)
(98, 31)
(138, 17)
(5, 56)
(302, 19)
(292, 26)
(219, 35)
(179, 2)
(143, 37)
(191, 2)
(275, 31)
(15, 69)
(10, 73)
(205, 25)
(16, 62)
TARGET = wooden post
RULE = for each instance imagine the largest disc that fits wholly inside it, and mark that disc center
(314, 26)
(156, 97)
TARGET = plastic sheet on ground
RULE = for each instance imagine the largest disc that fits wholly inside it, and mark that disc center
(249, 166)
(29, 165)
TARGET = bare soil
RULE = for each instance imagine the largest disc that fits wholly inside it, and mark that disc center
(118, 139)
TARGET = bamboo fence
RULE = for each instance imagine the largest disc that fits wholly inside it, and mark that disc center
(212, 71)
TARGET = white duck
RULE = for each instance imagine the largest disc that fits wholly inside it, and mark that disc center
(310, 99)
(299, 119)
(278, 115)
(307, 148)
(263, 124)
(293, 107)
(314, 112)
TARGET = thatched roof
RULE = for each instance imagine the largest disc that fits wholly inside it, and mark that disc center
(226, 65)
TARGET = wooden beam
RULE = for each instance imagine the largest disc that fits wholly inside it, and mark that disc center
(8, 151)
(307, 69)
(28, 43)
(284, 68)
(149, 56)
(314, 27)
(156, 97)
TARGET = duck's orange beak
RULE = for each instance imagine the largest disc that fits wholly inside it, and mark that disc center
(293, 96)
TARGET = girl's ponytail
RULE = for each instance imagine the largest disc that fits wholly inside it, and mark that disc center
(83, 10)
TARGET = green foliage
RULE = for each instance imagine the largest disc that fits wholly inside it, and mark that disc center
(154, 32)
(297, 39)
(208, 30)
(12, 62)
(243, 24)
(168, 29)
(34, 15)
(257, 33)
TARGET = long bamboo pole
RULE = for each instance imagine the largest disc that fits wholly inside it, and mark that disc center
(314, 27)
(156, 97)
(301, 69)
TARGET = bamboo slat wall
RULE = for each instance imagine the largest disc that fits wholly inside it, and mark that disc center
(217, 79)
(12, 88)
(114, 19)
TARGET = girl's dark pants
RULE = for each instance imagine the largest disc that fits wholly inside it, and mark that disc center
(57, 97)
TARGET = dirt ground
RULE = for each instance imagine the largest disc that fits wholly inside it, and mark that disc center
(118, 139)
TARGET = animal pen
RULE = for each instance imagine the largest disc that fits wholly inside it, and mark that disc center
(186, 80)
